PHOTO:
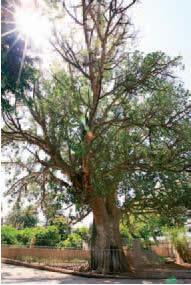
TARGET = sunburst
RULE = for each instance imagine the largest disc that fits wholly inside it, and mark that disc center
(30, 24)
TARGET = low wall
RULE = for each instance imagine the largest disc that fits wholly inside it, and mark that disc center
(136, 254)
(165, 250)
(46, 255)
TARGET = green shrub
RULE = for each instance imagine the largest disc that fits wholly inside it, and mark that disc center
(83, 232)
(62, 225)
(73, 240)
(125, 234)
(46, 236)
(39, 236)
(177, 237)
(26, 236)
(9, 235)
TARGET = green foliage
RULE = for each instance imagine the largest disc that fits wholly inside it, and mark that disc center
(26, 236)
(167, 192)
(83, 232)
(12, 51)
(9, 235)
(46, 236)
(73, 240)
(177, 237)
(125, 234)
(145, 136)
(146, 227)
(39, 236)
(22, 218)
(62, 225)
(53, 203)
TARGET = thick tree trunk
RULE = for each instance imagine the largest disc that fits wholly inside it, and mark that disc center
(106, 249)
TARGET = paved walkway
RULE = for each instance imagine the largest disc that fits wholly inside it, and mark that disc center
(12, 274)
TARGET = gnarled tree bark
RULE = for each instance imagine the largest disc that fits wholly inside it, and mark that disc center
(107, 255)
(106, 249)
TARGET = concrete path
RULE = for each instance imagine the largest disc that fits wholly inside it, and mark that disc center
(12, 274)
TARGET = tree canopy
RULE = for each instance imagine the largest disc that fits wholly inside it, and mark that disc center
(141, 147)
(21, 218)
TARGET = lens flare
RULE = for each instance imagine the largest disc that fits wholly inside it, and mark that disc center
(32, 25)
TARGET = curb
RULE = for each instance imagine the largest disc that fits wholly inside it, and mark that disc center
(183, 274)
(60, 270)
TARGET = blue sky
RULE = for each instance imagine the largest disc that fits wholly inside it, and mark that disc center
(166, 25)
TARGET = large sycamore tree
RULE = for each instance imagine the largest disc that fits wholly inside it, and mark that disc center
(109, 131)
